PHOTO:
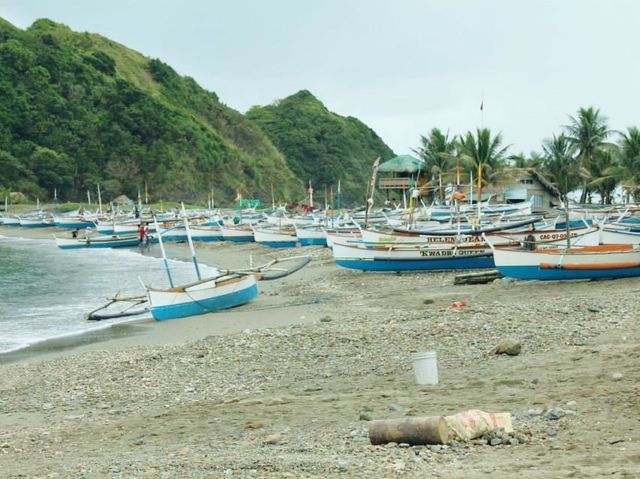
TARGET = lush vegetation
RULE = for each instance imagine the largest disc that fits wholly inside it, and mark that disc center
(322, 146)
(79, 109)
(581, 158)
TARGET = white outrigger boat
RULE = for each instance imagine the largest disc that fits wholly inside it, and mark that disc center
(114, 241)
(226, 289)
(589, 262)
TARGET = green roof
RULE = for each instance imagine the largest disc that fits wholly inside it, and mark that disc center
(402, 164)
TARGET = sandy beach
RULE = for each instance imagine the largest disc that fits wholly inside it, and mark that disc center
(285, 386)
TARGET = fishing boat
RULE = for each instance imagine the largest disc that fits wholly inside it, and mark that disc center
(198, 233)
(469, 228)
(619, 234)
(33, 221)
(203, 296)
(275, 237)
(227, 289)
(409, 256)
(11, 220)
(312, 235)
(237, 233)
(342, 233)
(114, 241)
(75, 220)
(588, 262)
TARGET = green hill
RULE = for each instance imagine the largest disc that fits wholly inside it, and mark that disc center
(321, 145)
(79, 109)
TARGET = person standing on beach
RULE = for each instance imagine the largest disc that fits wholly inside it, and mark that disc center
(142, 233)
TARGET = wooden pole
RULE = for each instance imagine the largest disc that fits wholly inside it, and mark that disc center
(370, 190)
(99, 199)
(410, 430)
(479, 190)
(164, 254)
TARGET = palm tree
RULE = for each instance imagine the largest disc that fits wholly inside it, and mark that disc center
(437, 151)
(588, 131)
(520, 160)
(485, 154)
(561, 164)
(626, 170)
(602, 179)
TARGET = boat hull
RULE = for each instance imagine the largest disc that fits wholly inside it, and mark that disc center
(456, 262)
(415, 257)
(205, 297)
(598, 262)
(276, 238)
(99, 242)
(237, 234)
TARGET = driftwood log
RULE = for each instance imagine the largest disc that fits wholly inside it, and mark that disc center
(410, 430)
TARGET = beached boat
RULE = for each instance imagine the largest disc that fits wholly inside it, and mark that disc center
(619, 234)
(589, 262)
(10, 221)
(203, 296)
(114, 241)
(35, 221)
(409, 257)
(275, 237)
(198, 233)
(237, 233)
(75, 220)
(312, 235)
(342, 233)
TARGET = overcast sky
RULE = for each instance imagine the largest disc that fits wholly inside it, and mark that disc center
(400, 66)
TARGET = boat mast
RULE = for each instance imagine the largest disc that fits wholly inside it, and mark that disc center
(193, 251)
(479, 190)
(566, 208)
(164, 254)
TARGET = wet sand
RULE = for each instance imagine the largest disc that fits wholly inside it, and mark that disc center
(285, 386)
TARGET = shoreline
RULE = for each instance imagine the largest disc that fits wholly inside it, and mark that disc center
(145, 331)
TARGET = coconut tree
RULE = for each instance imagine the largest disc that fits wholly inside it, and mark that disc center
(601, 178)
(588, 132)
(626, 170)
(437, 151)
(561, 165)
(485, 154)
(520, 160)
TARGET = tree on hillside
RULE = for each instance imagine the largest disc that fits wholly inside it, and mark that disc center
(437, 151)
(484, 153)
(588, 132)
(561, 164)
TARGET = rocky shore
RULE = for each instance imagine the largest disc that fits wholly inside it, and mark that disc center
(321, 353)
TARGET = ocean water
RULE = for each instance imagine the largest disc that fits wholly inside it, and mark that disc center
(46, 292)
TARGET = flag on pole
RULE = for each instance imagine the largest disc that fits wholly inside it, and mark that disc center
(238, 196)
(482, 105)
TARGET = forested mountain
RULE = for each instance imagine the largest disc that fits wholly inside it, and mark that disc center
(320, 145)
(79, 109)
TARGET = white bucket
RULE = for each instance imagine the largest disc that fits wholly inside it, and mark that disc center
(425, 367)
